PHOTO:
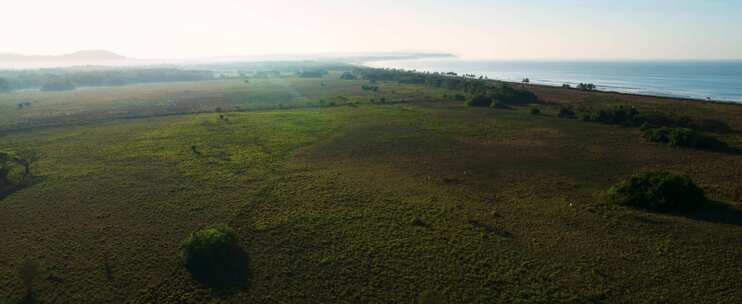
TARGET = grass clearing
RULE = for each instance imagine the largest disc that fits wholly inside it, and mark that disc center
(511, 206)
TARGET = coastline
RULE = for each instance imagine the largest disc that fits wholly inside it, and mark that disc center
(682, 80)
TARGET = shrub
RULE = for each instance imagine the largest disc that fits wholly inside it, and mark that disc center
(213, 256)
(566, 113)
(535, 111)
(459, 97)
(479, 101)
(682, 137)
(510, 95)
(658, 191)
(618, 115)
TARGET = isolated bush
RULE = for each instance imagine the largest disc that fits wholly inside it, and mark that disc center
(213, 256)
(479, 101)
(658, 191)
(535, 111)
(566, 113)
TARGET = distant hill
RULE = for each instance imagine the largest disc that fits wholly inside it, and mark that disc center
(86, 57)
(80, 56)
(107, 58)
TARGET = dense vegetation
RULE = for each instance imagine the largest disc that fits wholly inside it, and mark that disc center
(57, 79)
(630, 116)
(659, 127)
(502, 96)
(448, 81)
(658, 191)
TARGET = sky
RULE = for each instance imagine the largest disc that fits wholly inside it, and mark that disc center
(475, 29)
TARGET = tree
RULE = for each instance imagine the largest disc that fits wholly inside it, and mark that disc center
(6, 161)
(214, 257)
(586, 86)
(26, 158)
(526, 81)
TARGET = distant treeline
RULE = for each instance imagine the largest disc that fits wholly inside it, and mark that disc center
(32, 79)
(452, 81)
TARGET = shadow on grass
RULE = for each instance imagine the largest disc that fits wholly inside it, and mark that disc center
(7, 190)
(29, 298)
(717, 212)
(731, 150)
(226, 276)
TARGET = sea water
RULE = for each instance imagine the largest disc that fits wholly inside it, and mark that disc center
(716, 80)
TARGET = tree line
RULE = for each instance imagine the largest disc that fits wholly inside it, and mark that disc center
(55, 79)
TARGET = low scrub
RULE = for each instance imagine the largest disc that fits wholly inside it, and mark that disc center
(214, 257)
(658, 191)
(630, 116)
(504, 95)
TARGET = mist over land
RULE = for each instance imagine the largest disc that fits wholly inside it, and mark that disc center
(103, 58)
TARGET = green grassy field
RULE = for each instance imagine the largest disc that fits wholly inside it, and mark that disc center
(369, 203)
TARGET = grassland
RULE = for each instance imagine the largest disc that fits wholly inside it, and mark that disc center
(369, 203)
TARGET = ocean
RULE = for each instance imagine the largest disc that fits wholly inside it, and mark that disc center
(716, 80)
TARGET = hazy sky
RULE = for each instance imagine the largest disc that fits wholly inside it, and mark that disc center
(672, 29)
